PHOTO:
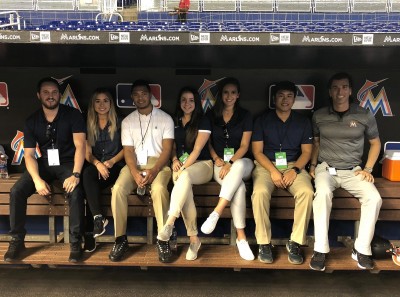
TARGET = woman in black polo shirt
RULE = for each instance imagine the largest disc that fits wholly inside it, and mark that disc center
(231, 133)
(191, 164)
(105, 157)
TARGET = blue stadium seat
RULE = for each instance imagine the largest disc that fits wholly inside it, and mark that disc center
(155, 28)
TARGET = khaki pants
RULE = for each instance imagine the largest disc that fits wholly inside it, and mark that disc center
(366, 193)
(182, 193)
(263, 187)
(124, 186)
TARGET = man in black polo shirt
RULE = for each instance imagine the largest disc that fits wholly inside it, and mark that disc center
(340, 131)
(282, 143)
(60, 133)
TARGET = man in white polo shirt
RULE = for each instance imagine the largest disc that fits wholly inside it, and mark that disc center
(147, 138)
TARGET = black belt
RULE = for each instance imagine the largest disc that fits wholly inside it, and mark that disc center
(348, 168)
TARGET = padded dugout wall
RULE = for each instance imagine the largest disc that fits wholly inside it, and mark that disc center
(172, 67)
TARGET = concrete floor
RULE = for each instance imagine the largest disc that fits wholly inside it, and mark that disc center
(193, 282)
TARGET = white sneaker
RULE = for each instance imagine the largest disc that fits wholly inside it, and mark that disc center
(244, 250)
(209, 225)
(191, 254)
(165, 233)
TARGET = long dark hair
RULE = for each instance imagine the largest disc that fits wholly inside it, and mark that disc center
(219, 103)
(193, 124)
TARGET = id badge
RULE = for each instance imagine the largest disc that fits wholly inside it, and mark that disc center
(228, 153)
(183, 158)
(331, 170)
(53, 157)
(141, 157)
(280, 160)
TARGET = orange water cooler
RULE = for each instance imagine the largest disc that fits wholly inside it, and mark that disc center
(391, 161)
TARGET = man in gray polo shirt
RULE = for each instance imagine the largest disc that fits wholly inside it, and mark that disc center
(339, 132)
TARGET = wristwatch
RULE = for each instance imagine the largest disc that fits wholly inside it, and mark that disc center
(296, 169)
(76, 174)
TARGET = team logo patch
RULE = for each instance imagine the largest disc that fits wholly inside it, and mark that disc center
(208, 92)
(353, 124)
(305, 97)
(3, 94)
(369, 101)
(124, 100)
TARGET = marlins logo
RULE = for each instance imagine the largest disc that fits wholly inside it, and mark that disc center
(68, 98)
(369, 101)
(17, 145)
(353, 124)
(208, 92)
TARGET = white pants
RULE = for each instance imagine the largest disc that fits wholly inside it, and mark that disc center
(182, 193)
(233, 188)
(366, 193)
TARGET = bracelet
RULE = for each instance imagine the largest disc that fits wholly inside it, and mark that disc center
(95, 165)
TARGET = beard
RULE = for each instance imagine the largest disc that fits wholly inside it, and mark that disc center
(52, 105)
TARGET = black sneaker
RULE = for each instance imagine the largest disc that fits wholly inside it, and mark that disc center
(120, 247)
(100, 224)
(14, 249)
(295, 256)
(364, 261)
(265, 253)
(76, 252)
(173, 241)
(164, 251)
(90, 243)
(317, 261)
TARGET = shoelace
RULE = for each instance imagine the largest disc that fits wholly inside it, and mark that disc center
(294, 248)
(265, 249)
(319, 256)
(363, 258)
(164, 246)
(13, 245)
(118, 246)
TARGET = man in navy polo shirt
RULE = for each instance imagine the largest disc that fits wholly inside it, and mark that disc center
(282, 144)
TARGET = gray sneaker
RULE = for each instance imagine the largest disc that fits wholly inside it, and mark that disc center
(317, 261)
(265, 253)
(295, 256)
(364, 261)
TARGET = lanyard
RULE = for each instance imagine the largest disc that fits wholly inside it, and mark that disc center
(225, 133)
(147, 129)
